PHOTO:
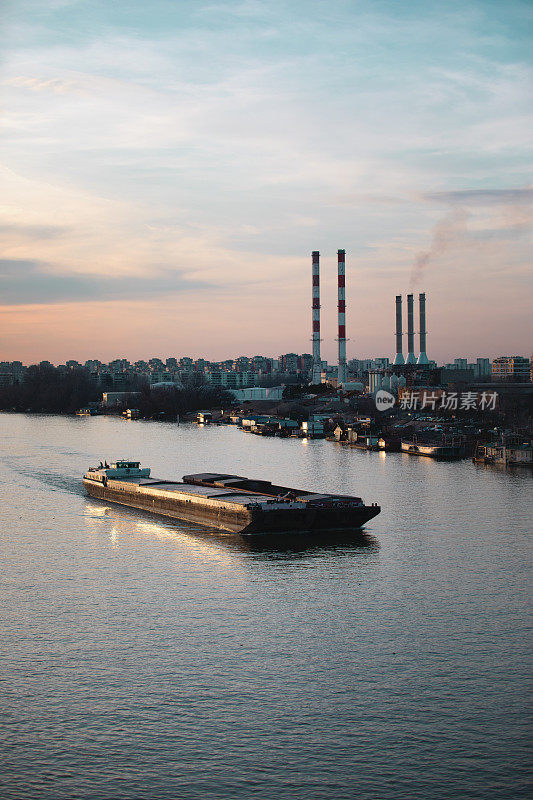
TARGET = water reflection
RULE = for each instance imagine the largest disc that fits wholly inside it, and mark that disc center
(309, 545)
(127, 522)
(514, 470)
(397, 668)
(97, 510)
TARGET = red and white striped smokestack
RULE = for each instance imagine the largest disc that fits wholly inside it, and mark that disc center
(317, 363)
(399, 361)
(422, 358)
(411, 358)
(341, 255)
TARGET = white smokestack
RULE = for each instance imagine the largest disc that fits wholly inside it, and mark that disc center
(411, 358)
(399, 360)
(422, 358)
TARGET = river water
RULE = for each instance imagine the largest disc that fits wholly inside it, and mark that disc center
(146, 659)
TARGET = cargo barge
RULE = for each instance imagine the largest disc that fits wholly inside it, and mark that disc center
(228, 502)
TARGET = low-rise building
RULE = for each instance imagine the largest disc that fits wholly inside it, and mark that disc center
(258, 393)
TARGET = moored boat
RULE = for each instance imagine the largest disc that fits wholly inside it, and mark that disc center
(228, 502)
(510, 454)
(445, 448)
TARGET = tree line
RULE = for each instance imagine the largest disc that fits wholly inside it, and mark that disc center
(48, 389)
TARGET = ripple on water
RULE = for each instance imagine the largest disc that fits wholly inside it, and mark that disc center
(147, 658)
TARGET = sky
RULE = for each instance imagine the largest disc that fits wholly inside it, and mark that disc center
(166, 169)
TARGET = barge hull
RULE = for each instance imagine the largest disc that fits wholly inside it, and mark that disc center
(231, 517)
(225, 519)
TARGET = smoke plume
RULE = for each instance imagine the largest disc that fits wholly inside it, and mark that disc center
(447, 233)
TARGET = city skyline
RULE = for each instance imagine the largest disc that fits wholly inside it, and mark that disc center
(264, 364)
(167, 172)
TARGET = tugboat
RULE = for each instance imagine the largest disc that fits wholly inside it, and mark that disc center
(117, 469)
(228, 502)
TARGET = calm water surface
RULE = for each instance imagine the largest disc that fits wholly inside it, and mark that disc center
(144, 658)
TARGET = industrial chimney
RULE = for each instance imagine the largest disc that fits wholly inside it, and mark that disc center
(341, 254)
(411, 358)
(399, 360)
(317, 363)
(422, 358)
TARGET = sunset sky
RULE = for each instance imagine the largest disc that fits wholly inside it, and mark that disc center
(168, 167)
